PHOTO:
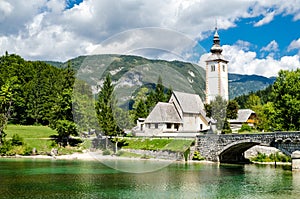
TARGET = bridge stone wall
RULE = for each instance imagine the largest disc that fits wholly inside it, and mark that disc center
(230, 147)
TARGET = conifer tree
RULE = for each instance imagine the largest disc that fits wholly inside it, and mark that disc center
(141, 110)
(159, 91)
(62, 115)
(232, 109)
(104, 109)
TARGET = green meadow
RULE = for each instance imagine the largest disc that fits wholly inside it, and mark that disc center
(42, 138)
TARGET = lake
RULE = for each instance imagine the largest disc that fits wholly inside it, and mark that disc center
(38, 178)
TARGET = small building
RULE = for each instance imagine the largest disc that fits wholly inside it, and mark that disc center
(183, 115)
(163, 117)
(245, 116)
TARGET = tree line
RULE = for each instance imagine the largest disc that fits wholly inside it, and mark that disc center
(278, 106)
(33, 92)
(37, 93)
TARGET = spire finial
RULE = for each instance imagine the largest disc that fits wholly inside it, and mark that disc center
(216, 48)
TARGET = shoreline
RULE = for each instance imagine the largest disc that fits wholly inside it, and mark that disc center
(273, 163)
(97, 156)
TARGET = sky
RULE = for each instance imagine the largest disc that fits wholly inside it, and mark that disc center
(257, 36)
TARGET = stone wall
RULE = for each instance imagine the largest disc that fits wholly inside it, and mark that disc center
(167, 155)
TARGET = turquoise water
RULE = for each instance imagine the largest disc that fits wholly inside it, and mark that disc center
(25, 178)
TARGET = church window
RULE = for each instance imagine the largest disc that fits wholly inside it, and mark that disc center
(212, 68)
(156, 125)
(169, 125)
(224, 68)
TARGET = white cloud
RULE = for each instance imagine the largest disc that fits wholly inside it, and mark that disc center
(44, 29)
(267, 19)
(271, 47)
(243, 45)
(295, 44)
(55, 6)
(247, 62)
(5, 9)
(18, 13)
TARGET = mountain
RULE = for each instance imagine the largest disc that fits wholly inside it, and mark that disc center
(131, 72)
(244, 84)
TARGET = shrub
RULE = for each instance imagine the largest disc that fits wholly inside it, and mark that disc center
(245, 127)
(261, 157)
(5, 147)
(106, 152)
(144, 156)
(226, 128)
(27, 151)
(120, 153)
(197, 156)
(17, 140)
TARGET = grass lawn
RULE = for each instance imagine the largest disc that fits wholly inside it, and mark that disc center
(146, 144)
(41, 145)
(177, 145)
(39, 137)
(29, 131)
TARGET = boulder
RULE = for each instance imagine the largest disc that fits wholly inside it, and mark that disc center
(296, 155)
(296, 161)
(54, 152)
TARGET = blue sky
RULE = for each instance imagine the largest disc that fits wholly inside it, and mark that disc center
(258, 36)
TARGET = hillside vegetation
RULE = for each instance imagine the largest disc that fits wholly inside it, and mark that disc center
(130, 72)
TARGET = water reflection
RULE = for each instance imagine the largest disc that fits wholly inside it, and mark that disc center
(76, 179)
(296, 184)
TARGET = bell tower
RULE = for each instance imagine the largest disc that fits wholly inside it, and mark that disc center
(216, 72)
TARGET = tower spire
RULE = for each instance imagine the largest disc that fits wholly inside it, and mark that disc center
(216, 71)
(216, 48)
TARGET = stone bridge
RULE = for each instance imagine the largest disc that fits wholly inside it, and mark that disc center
(230, 148)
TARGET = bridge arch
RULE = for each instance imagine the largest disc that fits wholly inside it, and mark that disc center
(231, 147)
(234, 152)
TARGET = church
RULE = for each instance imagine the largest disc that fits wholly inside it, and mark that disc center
(184, 115)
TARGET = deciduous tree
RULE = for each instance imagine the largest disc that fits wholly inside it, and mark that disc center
(286, 100)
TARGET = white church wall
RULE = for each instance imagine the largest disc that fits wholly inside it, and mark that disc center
(212, 78)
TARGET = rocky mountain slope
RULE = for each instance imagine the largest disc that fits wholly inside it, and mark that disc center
(131, 72)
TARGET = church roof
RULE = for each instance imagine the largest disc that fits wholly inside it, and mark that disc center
(189, 103)
(243, 116)
(163, 113)
(215, 57)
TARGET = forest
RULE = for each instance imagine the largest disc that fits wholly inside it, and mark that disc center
(37, 93)
(33, 92)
